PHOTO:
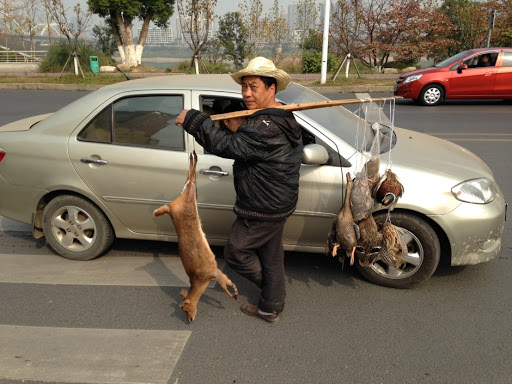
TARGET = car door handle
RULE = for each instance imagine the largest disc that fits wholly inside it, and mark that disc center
(488, 73)
(213, 173)
(87, 160)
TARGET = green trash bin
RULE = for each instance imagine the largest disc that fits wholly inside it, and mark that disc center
(94, 63)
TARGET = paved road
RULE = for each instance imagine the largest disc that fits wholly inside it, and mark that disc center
(117, 320)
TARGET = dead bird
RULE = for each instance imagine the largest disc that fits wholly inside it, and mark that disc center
(361, 198)
(394, 246)
(369, 242)
(389, 190)
(343, 225)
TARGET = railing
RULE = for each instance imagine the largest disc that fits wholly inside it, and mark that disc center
(21, 56)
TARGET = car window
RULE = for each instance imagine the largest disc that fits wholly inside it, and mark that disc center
(142, 121)
(485, 59)
(507, 59)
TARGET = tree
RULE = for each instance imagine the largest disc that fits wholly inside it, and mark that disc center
(276, 30)
(232, 37)
(307, 13)
(121, 14)
(251, 12)
(105, 38)
(471, 20)
(8, 15)
(26, 21)
(213, 50)
(375, 30)
(196, 22)
(72, 30)
(470, 23)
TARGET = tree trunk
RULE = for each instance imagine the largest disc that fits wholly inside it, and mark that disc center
(126, 31)
(143, 36)
(119, 41)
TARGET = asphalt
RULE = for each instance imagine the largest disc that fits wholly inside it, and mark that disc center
(302, 78)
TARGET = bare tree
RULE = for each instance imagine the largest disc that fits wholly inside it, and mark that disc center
(253, 20)
(8, 16)
(196, 22)
(69, 29)
(276, 30)
(307, 13)
(27, 13)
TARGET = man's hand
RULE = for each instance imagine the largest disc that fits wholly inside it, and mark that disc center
(180, 119)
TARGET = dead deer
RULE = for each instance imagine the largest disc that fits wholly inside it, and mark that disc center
(195, 253)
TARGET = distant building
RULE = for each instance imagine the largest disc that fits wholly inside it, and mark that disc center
(159, 36)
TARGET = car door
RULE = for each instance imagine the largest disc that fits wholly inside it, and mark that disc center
(475, 81)
(134, 158)
(503, 84)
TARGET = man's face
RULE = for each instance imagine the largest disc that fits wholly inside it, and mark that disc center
(255, 93)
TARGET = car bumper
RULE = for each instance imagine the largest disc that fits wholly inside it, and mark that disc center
(409, 90)
(474, 230)
(17, 202)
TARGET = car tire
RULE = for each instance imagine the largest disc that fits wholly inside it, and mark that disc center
(424, 251)
(76, 229)
(431, 95)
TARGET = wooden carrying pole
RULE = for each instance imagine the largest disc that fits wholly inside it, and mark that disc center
(301, 107)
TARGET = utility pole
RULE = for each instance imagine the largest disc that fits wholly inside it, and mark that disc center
(491, 26)
(325, 42)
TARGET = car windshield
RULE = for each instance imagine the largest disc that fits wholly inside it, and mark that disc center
(338, 120)
(451, 60)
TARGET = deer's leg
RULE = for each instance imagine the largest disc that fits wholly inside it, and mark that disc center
(189, 303)
(224, 281)
(160, 211)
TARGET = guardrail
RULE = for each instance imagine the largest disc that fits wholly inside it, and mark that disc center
(22, 56)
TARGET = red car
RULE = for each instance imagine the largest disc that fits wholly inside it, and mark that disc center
(484, 73)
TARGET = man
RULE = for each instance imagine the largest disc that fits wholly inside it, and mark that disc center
(267, 149)
(484, 61)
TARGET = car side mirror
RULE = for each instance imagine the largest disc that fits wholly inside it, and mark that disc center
(461, 67)
(314, 154)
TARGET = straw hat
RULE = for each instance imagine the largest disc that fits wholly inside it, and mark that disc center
(260, 66)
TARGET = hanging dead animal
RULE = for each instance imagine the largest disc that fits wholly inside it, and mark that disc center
(195, 253)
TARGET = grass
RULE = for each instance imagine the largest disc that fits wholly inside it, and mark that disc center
(100, 79)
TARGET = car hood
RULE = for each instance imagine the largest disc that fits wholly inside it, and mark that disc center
(422, 151)
(24, 124)
(421, 71)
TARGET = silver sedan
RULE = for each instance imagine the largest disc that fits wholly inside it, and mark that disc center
(96, 169)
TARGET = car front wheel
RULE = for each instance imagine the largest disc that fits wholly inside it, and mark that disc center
(76, 229)
(431, 95)
(422, 257)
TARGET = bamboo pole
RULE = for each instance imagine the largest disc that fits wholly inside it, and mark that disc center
(301, 107)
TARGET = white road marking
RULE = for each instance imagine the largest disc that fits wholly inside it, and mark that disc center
(81, 355)
(106, 270)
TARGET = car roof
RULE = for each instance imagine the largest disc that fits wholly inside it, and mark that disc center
(220, 82)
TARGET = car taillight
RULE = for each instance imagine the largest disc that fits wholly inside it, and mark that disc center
(2, 155)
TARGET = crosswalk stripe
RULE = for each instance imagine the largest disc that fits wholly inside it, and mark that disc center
(23, 261)
(83, 355)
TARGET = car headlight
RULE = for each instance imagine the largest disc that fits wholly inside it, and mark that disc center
(477, 191)
(408, 79)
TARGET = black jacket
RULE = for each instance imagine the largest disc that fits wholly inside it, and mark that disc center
(267, 149)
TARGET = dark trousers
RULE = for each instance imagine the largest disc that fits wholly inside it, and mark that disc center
(255, 251)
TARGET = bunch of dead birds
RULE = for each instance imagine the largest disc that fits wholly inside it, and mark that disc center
(354, 228)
